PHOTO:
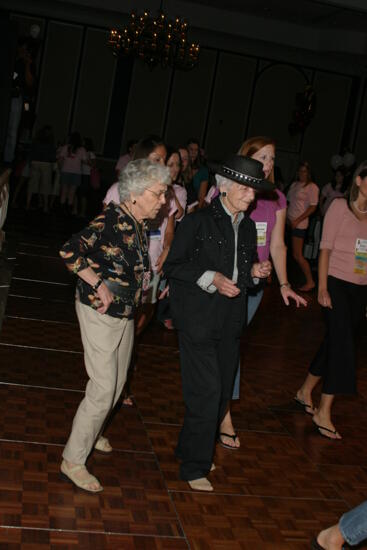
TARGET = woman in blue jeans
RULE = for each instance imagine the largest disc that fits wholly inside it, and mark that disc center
(352, 528)
(269, 216)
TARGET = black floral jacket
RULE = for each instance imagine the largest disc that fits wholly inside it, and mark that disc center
(116, 248)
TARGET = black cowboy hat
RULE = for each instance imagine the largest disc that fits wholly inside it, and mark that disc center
(244, 170)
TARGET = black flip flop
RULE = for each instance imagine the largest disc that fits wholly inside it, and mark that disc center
(319, 428)
(231, 436)
(304, 405)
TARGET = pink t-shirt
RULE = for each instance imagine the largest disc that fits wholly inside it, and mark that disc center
(346, 237)
(181, 195)
(112, 194)
(300, 198)
(122, 162)
(264, 216)
(71, 162)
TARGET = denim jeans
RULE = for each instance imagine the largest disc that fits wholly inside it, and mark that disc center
(353, 524)
(253, 302)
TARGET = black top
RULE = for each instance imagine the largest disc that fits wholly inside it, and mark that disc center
(205, 241)
(115, 246)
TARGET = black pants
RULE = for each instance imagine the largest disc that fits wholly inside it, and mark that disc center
(335, 360)
(208, 367)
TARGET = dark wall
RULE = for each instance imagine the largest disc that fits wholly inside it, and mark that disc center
(8, 37)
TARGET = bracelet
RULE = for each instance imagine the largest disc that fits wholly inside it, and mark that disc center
(285, 284)
(97, 285)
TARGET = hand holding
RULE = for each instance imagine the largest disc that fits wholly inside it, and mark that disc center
(261, 269)
(225, 286)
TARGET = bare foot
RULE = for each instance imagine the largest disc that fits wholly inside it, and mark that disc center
(305, 399)
(226, 427)
(307, 287)
(325, 426)
(331, 538)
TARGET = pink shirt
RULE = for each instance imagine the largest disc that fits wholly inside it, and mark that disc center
(122, 162)
(264, 216)
(300, 198)
(71, 162)
(344, 234)
(112, 194)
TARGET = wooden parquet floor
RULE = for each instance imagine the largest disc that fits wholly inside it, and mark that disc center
(280, 488)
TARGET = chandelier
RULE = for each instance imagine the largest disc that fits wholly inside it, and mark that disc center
(156, 41)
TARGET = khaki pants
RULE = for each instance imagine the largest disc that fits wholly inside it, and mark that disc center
(108, 343)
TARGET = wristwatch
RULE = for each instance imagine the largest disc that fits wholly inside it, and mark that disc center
(97, 285)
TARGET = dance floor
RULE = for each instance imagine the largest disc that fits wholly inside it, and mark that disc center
(280, 488)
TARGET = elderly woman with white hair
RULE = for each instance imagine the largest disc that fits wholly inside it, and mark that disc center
(211, 263)
(110, 257)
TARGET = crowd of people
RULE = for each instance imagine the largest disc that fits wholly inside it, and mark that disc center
(195, 243)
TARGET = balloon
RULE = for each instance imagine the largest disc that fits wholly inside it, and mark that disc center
(34, 31)
(336, 161)
(349, 159)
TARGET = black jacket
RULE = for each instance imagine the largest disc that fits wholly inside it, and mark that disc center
(205, 241)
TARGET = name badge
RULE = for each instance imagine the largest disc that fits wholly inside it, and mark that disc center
(261, 228)
(360, 257)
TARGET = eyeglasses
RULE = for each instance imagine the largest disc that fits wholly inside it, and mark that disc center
(160, 194)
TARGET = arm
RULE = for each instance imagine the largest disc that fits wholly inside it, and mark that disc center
(180, 210)
(323, 296)
(306, 214)
(168, 238)
(278, 252)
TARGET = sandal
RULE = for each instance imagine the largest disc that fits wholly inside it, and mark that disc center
(334, 432)
(304, 406)
(102, 445)
(225, 445)
(69, 474)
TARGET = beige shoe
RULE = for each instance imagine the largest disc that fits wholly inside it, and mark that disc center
(103, 445)
(201, 484)
(70, 474)
(213, 467)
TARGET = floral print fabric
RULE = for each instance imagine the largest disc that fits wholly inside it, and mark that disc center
(115, 246)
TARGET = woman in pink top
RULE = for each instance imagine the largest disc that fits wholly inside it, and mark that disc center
(269, 216)
(343, 294)
(303, 198)
(71, 158)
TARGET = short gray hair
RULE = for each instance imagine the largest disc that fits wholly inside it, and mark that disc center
(223, 182)
(138, 175)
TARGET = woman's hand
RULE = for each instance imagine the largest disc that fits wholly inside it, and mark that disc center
(294, 223)
(225, 286)
(261, 269)
(287, 292)
(106, 297)
(324, 299)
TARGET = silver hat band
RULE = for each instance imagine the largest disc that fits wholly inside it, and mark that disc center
(240, 176)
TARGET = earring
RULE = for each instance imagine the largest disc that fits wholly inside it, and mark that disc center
(223, 194)
(133, 201)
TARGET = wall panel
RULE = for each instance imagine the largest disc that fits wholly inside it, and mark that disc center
(147, 101)
(59, 71)
(361, 139)
(190, 98)
(231, 99)
(95, 87)
(273, 103)
(323, 136)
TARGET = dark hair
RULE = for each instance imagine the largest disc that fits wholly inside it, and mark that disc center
(361, 172)
(173, 151)
(75, 142)
(146, 145)
(341, 170)
(130, 143)
(88, 144)
(199, 159)
(45, 135)
(305, 164)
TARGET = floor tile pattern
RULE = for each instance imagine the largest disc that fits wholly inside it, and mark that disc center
(283, 485)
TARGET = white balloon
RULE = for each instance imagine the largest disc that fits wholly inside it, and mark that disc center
(349, 159)
(336, 161)
(34, 31)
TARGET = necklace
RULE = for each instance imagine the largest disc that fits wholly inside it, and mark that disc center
(138, 229)
(358, 210)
